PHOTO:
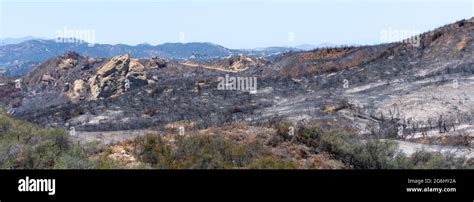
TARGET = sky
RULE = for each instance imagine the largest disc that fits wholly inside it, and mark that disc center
(231, 23)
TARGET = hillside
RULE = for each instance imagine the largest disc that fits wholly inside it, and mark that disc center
(419, 97)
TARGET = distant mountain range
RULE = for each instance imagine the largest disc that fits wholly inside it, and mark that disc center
(7, 41)
(19, 55)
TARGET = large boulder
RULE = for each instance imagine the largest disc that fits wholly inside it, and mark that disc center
(136, 74)
(156, 62)
(68, 61)
(76, 90)
(117, 76)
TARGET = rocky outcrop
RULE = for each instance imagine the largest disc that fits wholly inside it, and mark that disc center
(117, 76)
(47, 78)
(156, 62)
(69, 60)
(241, 63)
(76, 90)
(136, 74)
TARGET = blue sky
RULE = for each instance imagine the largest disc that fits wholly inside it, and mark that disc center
(231, 23)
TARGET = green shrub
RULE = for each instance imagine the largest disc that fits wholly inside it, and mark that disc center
(243, 154)
(153, 150)
(205, 152)
(270, 162)
(282, 130)
(74, 158)
(23, 146)
(377, 154)
(436, 160)
(105, 163)
(373, 153)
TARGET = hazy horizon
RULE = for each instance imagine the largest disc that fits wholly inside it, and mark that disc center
(176, 42)
(236, 24)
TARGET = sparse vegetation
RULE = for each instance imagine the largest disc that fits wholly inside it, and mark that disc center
(25, 146)
(374, 153)
(206, 152)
